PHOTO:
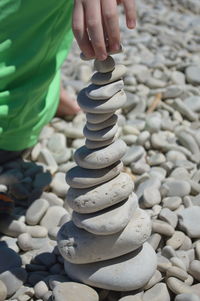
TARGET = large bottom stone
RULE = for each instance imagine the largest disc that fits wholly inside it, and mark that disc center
(124, 273)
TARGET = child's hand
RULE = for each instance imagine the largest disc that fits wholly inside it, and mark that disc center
(96, 25)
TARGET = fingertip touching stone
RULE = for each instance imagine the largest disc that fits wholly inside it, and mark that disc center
(105, 66)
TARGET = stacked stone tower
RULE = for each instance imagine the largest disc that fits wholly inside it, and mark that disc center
(104, 245)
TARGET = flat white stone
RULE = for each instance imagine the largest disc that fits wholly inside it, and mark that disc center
(104, 78)
(79, 246)
(105, 66)
(124, 273)
(98, 118)
(101, 196)
(106, 222)
(79, 177)
(100, 158)
(101, 106)
(98, 144)
(102, 125)
(101, 135)
(104, 92)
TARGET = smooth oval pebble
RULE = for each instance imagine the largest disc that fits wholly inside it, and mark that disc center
(101, 135)
(98, 144)
(98, 118)
(73, 291)
(52, 217)
(187, 297)
(102, 196)
(179, 287)
(99, 78)
(106, 222)
(104, 92)
(97, 159)
(102, 125)
(194, 269)
(36, 211)
(124, 273)
(79, 246)
(101, 106)
(158, 292)
(78, 177)
(108, 65)
(13, 279)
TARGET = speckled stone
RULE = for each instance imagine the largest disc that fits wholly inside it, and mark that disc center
(124, 273)
(106, 222)
(79, 246)
(101, 196)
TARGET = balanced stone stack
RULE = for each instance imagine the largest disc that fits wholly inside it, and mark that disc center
(104, 245)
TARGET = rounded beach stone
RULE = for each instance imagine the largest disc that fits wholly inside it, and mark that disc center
(98, 118)
(99, 78)
(78, 177)
(73, 291)
(36, 211)
(79, 246)
(194, 269)
(158, 292)
(101, 158)
(12, 227)
(98, 144)
(102, 196)
(52, 217)
(108, 65)
(104, 92)
(3, 291)
(102, 125)
(172, 187)
(59, 185)
(106, 222)
(13, 279)
(101, 135)
(187, 297)
(193, 75)
(124, 273)
(156, 278)
(179, 287)
(101, 106)
(8, 259)
(176, 240)
(189, 221)
(177, 273)
(151, 197)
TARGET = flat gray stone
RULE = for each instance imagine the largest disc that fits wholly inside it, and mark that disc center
(106, 222)
(36, 211)
(189, 221)
(101, 196)
(105, 66)
(9, 259)
(104, 92)
(101, 106)
(101, 135)
(13, 279)
(73, 291)
(98, 144)
(124, 273)
(102, 125)
(79, 177)
(98, 118)
(193, 75)
(104, 78)
(80, 247)
(101, 158)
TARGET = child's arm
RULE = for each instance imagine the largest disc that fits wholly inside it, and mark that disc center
(96, 25)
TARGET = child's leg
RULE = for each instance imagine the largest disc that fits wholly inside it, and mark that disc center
(34, 40)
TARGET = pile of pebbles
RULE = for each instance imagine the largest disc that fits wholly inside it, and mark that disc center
(160, 123)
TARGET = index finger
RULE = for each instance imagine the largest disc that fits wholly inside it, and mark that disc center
(129, 7)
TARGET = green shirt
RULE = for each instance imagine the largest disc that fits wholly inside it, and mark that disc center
(35, 37)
